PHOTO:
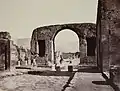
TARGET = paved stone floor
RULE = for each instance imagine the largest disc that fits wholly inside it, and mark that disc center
(77, 82)
(33, 83)
(88, 82)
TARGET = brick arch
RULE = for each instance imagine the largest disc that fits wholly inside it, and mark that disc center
(47, 33)
(72, 29)
(62, 29)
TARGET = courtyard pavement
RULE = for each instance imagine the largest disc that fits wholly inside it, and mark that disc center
(20, 80)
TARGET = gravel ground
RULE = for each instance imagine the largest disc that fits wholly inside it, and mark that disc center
(26, 82)
(33, 83)
(80, 82)
(88, 82)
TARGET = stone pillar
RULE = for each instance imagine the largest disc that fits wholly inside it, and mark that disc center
(52, 52)
(33, 44)
(47, 44)
(8, 55)
(110, 37)
(3, 57)
(5, 54)
(37, 47)
(83, 48)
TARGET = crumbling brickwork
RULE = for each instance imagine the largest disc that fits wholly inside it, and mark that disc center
(4, 50)
(48, 33)
(108, 30)
(8, 52)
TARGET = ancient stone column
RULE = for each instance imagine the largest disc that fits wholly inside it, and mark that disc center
(110, 37)
(83, 48)
(37, 47)
(52, 52)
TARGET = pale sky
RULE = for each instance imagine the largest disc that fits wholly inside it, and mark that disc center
(20, 17)
(67, 43)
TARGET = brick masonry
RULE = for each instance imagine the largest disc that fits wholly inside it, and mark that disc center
(48, 33)
(8, 52)
(4, 50)
(108, 30)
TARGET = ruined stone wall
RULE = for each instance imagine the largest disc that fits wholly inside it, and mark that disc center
(48, 34)
(13, 54)
(103, 37)
(5, 35)
(4, 50)
(109, 24)
(8, 52)
(112, 12)
(3, 43)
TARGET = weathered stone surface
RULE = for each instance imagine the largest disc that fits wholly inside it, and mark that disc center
(4, 50)
(33, 83)
(74, 82)
(88, 82)
(48, 33)
(8, 56)
(13, 54)
(5, 35)
(3, 43)
(108, 33)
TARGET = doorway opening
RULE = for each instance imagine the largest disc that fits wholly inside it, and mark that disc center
(67, 47)
(41, 44)
(91, 45)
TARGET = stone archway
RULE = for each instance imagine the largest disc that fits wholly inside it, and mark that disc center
(47, 34)
(67, 36)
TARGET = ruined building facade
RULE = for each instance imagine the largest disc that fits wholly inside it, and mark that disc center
(42, 41)
(106, 32)
(108, 36)
(8, 52)
(4, 50)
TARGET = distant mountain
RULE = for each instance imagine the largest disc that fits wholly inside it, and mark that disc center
(25, 42)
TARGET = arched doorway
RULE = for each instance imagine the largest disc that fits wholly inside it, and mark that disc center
(66, 43)
(43, 40)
